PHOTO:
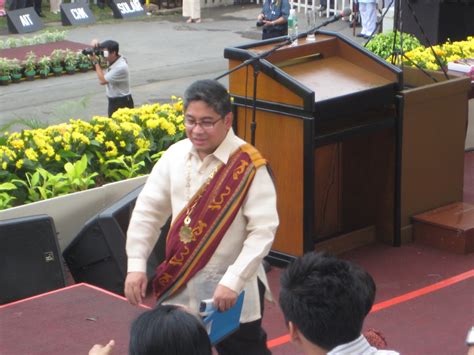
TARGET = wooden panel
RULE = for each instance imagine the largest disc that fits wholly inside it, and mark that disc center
(280, 139)
(368, 181)
(362, 60)
(327, 161)
(349, 241)
(334, 77)
(434, 128)
(267, 88)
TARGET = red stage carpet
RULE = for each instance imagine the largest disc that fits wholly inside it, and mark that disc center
(41, 49)
(66, 321)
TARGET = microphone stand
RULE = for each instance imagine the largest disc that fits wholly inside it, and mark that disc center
(255, 62)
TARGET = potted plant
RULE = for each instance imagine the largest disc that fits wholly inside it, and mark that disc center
(83, 61)
(57, 57)
(70, 61)
(16, 68)
(30, 66)
(4, 71)
(44, 66)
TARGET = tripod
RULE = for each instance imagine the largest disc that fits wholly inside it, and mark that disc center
(398, 54)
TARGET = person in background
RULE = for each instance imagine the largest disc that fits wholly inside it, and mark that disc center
(116, 77)
(192, 10)
(54, 6)
(368, 17)
(221, 196)
(325, 301)
(274, 18)
(164, 330)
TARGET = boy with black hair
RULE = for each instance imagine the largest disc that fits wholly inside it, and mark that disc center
(325, 301)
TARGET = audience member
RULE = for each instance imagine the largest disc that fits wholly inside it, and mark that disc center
(368, 17)
(325, 301)
(164, 330)
(192, 10)
(274, 18)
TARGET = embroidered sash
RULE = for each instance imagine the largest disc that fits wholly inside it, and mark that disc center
(213, 209)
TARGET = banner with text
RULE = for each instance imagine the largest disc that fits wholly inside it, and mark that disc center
(24, 21)
(77, 13)
(127, 8)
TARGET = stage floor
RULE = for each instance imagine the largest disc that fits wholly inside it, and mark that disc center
(424, 305)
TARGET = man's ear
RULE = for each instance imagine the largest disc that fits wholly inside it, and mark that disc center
(294, 333)
(228, 120)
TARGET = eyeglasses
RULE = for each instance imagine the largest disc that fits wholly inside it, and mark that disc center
(190, 123)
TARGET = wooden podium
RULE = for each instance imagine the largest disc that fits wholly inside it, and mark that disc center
(327, 121)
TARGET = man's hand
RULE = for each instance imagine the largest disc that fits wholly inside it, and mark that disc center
(135, 287)
(224, 298)
(98, 349)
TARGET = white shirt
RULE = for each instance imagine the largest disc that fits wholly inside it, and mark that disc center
(360, 346)
(237, 260)
(118, 79)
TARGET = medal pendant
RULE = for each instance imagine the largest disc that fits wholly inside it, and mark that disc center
(185, 234)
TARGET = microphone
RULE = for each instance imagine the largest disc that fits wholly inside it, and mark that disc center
(337, 16)
(340, 14)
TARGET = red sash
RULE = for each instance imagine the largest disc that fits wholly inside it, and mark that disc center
(213, 209)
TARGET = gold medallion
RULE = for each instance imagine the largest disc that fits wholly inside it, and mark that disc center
(186, 234)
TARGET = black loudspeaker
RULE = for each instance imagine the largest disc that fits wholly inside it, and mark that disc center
(97, 254)
(440, 19)
(30, 261)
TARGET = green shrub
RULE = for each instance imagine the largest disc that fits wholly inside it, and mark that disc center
(382, 44)
(68, 157)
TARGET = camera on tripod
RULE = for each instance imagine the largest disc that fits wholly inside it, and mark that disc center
(95, 50)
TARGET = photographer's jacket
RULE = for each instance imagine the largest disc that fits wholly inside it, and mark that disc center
(118, 79)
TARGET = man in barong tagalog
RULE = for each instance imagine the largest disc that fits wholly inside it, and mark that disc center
(222, 200)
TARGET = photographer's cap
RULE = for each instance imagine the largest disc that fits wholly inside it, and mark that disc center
(110, 45)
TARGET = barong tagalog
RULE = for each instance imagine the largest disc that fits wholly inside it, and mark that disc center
(200, 226)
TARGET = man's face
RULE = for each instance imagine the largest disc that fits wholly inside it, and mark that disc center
(205, 139)
(109, 56)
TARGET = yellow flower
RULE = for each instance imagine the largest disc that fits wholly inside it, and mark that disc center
(19, 164)
(4, 165)
(17, 144)
(111, 149)
(31, 154)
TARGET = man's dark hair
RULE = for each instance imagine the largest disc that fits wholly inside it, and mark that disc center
(213, 93)
(168, 330)
(326, 298)
(112, 46)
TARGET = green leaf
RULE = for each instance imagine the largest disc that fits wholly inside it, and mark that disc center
(35, 179)
(7, 186)
(69, 168)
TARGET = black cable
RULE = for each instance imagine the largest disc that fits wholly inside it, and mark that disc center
(427, 39)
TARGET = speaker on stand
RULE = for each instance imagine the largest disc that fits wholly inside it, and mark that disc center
(30, 260)
(97, 254)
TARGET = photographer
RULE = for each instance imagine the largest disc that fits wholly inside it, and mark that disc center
(274, 18)
(116, 77)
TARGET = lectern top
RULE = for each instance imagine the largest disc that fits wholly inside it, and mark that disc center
(334, 76)
(321, 75)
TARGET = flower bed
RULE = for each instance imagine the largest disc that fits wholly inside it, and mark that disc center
(419, 55)
(58, 62)
(45, 37)
(43, 163)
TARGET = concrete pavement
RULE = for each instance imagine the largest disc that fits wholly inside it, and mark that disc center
(165, 55)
